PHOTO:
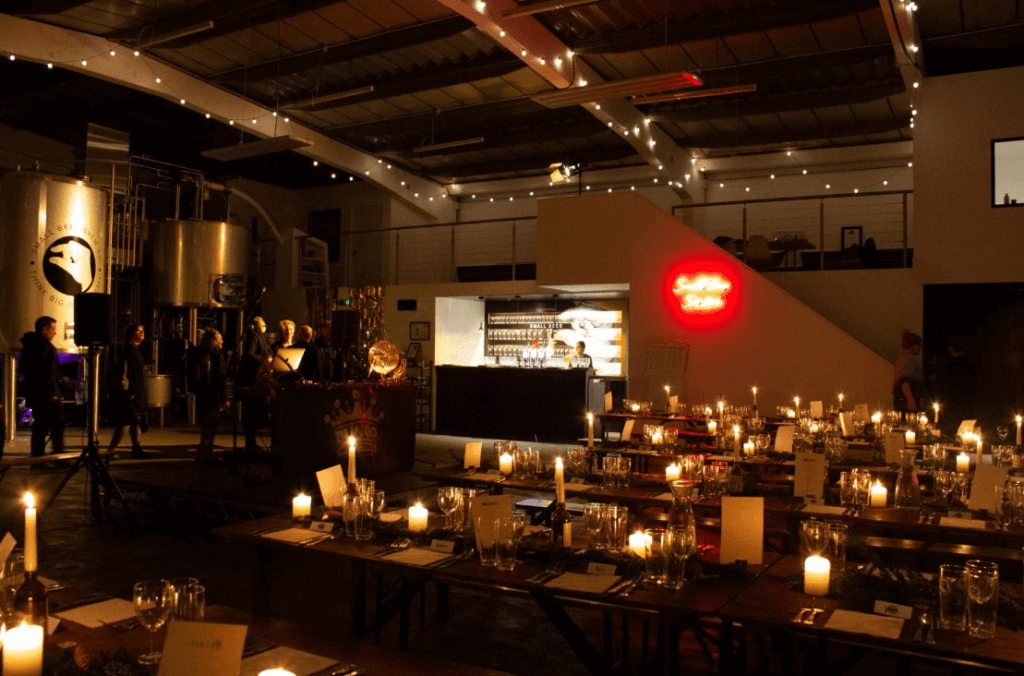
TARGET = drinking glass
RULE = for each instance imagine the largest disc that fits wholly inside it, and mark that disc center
(190, 603)
(504, 544)
(519, 519)
(179, 598)
(609, 470)
(449, 499)
(485, 535)
(351, 503)
(982, 598)
(1002, 456)
(152, 606)
(464, 518)
(847, 489)
(593, 520)
(12, 576)
(1003, 508)
(657, 553)
(622, 472)
(863, 487)
(616, 524)
(838, 533)
(369, 513)
(681, 544)
(365, 486)
(813, 538)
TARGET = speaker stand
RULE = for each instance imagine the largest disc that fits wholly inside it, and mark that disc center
(91, 460)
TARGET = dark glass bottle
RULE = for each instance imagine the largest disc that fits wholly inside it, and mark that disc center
(30, 600)
(559, 518)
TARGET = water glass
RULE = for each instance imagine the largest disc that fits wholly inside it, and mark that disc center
(1002, 456)
(179, 598)
(657, 552)
(681, 544)
(692, 467)
(190, 603)
(847, 489)
(813, 538)
(863, 487)
(609, 470)
(464, 519)
(593, 521)
(982, 598)
(504, 544)
(838, 534)
(449, 500)
(616, 526)
(351, 503)
(370, 509)
(365, 486)
(11, 577)
(488, 543)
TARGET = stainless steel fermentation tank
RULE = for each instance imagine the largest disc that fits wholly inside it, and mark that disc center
(199, 263)
(53, 245)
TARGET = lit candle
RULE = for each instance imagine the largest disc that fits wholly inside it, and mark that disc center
(567, 534)
(749, 449)
(796, 403)
(814, 428)
(559, 481)
(638, 544)
(840, 401)
(936, 407)
(634, 407)
(275, 672)
(980, 442)
(31, 551)
(657, 439)
(668, 397)
(505, 463)
(351, 460)
(754, 390)
(1018, 430)
(963, 463)
(790, 413)
(300, 506)
(417, 518)
(721, 412)
(23, 651)
(590, 430)
(736, 439)
(877, 420)
(673, 472)
(911, 437)
(712, 427)
(816, 575)
(879, 495)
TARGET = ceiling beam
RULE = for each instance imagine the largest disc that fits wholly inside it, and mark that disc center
(519, 137)
(761, 18)
(803, 134)
(802, 67)
(906, 42)
(530, 164)
(548, 57)
(434, 76)
(228, 16)
(346, 51)
(40, 7)
(448, 118)
(65, 48)
(778, 104)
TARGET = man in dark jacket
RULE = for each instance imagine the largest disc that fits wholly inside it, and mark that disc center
(254, 358)
(327, 353)
(311, 365)
(40, 371)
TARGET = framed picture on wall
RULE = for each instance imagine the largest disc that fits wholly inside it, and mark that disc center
(419, 330)
(413, 353)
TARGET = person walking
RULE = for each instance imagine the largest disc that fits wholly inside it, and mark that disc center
(210, 397)
(128, 404)
(40, 371)
(255, 357)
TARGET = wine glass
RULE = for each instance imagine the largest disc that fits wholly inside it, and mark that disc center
(593, 518)
(449, 499)
(152, 606)
(518, 524)
(1002, 431)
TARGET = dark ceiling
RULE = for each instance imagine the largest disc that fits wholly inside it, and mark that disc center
(825, 73)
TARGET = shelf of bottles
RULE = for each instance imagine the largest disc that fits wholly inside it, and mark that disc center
(549, 338)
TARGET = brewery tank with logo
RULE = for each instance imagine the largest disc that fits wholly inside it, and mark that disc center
(53, 245)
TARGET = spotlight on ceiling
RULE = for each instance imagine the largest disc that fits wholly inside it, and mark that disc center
(561, 172)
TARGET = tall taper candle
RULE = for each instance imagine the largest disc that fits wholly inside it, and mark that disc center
(559, 481)
(590, 430)
(31, 551)
(754, 390)
(1018, 430)
(936, 407)
(351, 460)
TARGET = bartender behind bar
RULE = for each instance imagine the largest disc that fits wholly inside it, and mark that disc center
(579, 359)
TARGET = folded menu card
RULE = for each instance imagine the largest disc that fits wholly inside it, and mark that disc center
(294, 661)
(966, 427)
(865, 623)
(594, 584)
(607, 402)
(894, 443)
(983, 486)
(6, 547)
(862, 412)
(202, 647)
(472, 455)
(809, 480)
(817, 410)
(98, 614)
(784, 438)
(742, 529)
(627, 430)
(846, 422)
(332, 483)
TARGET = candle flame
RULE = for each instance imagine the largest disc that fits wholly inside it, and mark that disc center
(936, 407)
(351, 441)
(667, 388)
(590, 417)
(419, 504)
(878, 483)
(1018, 418)
(30, 501)
(754, 389)
(558, 462)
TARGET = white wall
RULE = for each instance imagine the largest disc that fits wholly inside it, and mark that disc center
(23, 148)
(458, 323)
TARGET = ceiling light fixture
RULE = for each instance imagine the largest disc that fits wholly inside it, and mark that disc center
(651, 84)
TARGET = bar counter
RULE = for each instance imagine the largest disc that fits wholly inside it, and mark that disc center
(515, 403)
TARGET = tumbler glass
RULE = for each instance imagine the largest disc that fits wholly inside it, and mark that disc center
(485, 536)
(657, 552)
(838, 534)
(464, 520)
(609, 470)
(982, 598)
(593, 520)
(504, 544)
(179, 596)
(813, 538)
(953, 597)
(616, 524)
(351, 504)
(681, 543)
(847, 489)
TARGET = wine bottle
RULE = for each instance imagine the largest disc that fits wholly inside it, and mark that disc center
(559, 518)
(30, 600)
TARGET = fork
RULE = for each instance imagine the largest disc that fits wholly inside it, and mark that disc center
(555, 568)
(393, 545)
(815, 610)
(403, 544)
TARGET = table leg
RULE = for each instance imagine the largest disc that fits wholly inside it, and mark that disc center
(575, 637)
(444, 610)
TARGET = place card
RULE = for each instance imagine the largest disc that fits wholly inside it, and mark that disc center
(983, 486)
(742, 529)
(6, 547)
(594, 584)
(393, 516)
(607, 402)
(966, 427)
(218, 647)
(973, 524)
(595, 568)
(295, 661)
(484, 509)
(96, 615)
(577, 481)
(471, 458)
(865, 623)
(443, 546)
(894, 443)
(893, 609)
(784, 438)
(862, 412)
(627, 430)
(322, 526)
(810, 475)
(817, 410)
(846, 422)
(332, 483)
(539, 503)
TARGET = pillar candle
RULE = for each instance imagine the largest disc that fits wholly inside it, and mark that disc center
(638, 544)
(754, 390)
(559, 481)
(963, 463)
(567, 534)
(351, 460)
(673, 472)
(981, 443)
(23, 651)
(796, 405)
(590, 430)
(736, 439)
(657, 438)
(505, 463)
(749, 449)
(31, 551)
(1018, 430)
(840, 401)
(911, 437)
(879, 494)
(712, 427)
(275, 672)
(417, 518)
(936, 407)
(816, 575)
(300, 506)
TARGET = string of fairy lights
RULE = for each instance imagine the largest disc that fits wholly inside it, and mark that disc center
(788, 164)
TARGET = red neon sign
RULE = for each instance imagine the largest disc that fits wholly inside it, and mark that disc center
(702, 292)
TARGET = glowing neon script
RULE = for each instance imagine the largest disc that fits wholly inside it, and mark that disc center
(701, 294)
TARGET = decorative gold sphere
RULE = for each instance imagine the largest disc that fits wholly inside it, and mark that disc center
(384, 357)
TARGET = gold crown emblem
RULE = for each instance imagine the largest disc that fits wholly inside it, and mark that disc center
(355, 414)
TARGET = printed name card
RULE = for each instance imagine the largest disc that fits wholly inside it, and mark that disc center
(893, 610)
(784, 438)
(817, 410)
(331, 481)
(894, 443)
(484, 509)
(595, 568)
(607, 402)
(627, 430)
(322, 526)
(846, 422)
(983, 486)
(742, 529)
(6, 547)
(217, 647)
(443, 546)
(862, 412)
(810, 475)
(472, 456)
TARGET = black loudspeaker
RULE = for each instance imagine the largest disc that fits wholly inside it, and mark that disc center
(92, 319)
(344, 329)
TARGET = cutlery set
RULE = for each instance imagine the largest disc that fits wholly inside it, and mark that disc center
(550, 573)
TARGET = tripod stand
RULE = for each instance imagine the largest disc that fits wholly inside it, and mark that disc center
(90, 457)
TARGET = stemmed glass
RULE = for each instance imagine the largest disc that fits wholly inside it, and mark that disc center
(593, 519)
(152, 606)
(449, 499)
(1002, 431)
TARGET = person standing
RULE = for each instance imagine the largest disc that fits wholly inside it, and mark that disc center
(311, 365)
(40, 369)
(908, 381)
(285, 335)
(255, 357)
(327, 353)
(210, 397)
(128, 403)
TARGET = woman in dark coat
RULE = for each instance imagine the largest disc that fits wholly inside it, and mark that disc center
(210, 397)
(128, 402)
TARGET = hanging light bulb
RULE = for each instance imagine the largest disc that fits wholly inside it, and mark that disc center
(207, 116)
(136, 52)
